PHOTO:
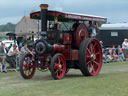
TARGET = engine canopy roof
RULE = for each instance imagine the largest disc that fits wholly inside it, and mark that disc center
(65, 16)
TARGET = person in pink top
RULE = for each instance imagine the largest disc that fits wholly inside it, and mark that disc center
(120, 52)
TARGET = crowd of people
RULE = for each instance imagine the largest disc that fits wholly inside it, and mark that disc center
(114, 53)
(11, 55)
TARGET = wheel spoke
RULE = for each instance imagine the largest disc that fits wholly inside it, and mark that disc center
(91, 69)
(96, 63)
(91, 48)
(56, 71)
(25, 67)
(89, 65)
(61, 70)
(25, 72)
(88, 51)
(94, 45)
(59, 60)
(56, 66)
(32, 66)
(88, 62)
(94, 49)
(28, 73)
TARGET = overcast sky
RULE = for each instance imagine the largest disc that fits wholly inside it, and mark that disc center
(115, 10)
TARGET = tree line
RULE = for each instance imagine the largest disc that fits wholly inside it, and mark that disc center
(7, 27)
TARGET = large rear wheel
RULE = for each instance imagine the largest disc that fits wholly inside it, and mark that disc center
(58, 66)
(90, 57)
(27, 66)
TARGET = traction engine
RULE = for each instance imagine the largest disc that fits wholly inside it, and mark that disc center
(59, 51)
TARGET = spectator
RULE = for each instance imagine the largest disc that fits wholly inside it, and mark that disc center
(104, 55)
(96, 26)
(1, 69)
(24, 40)
(24, 49)
(11, 56)
(9, 47)
(114, 54)
(3, 52)
(125, 44)
(109, 54)
(3, 56)
(101, 43)
(120, 52)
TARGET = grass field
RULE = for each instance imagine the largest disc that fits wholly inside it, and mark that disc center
(112, 81)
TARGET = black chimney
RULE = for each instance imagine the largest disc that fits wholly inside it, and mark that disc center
(44, 12)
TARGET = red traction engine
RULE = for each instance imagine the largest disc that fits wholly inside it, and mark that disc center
(58, 50)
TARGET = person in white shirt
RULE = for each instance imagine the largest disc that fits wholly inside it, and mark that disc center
(13, 51)
(125, 44)
(11, 56)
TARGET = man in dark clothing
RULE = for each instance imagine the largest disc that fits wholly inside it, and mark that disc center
(75, 25)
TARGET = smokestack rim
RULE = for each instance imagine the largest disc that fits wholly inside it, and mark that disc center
(44, 6)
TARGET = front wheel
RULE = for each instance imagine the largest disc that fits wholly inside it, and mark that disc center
(27, 66)
(58, 66)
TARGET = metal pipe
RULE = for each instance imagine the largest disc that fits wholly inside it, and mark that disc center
(44, 12)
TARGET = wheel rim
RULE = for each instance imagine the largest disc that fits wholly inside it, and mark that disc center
(28, 66)
(94, 57)
(59, 67)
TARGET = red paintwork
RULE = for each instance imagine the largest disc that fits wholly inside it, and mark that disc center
(72, 16)
(67, 54)
(29, 66)
(58, 47)
(81, 34)
(43, 63)
(94, 66)
(75, 54)
(64, 49)
(60, 67)
(67, 38)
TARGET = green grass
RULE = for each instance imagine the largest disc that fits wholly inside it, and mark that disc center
(110, 82)
(116, 63)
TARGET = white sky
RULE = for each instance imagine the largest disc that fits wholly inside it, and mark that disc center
(114, 10)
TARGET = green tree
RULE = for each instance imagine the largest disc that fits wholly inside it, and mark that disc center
(7, 27)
